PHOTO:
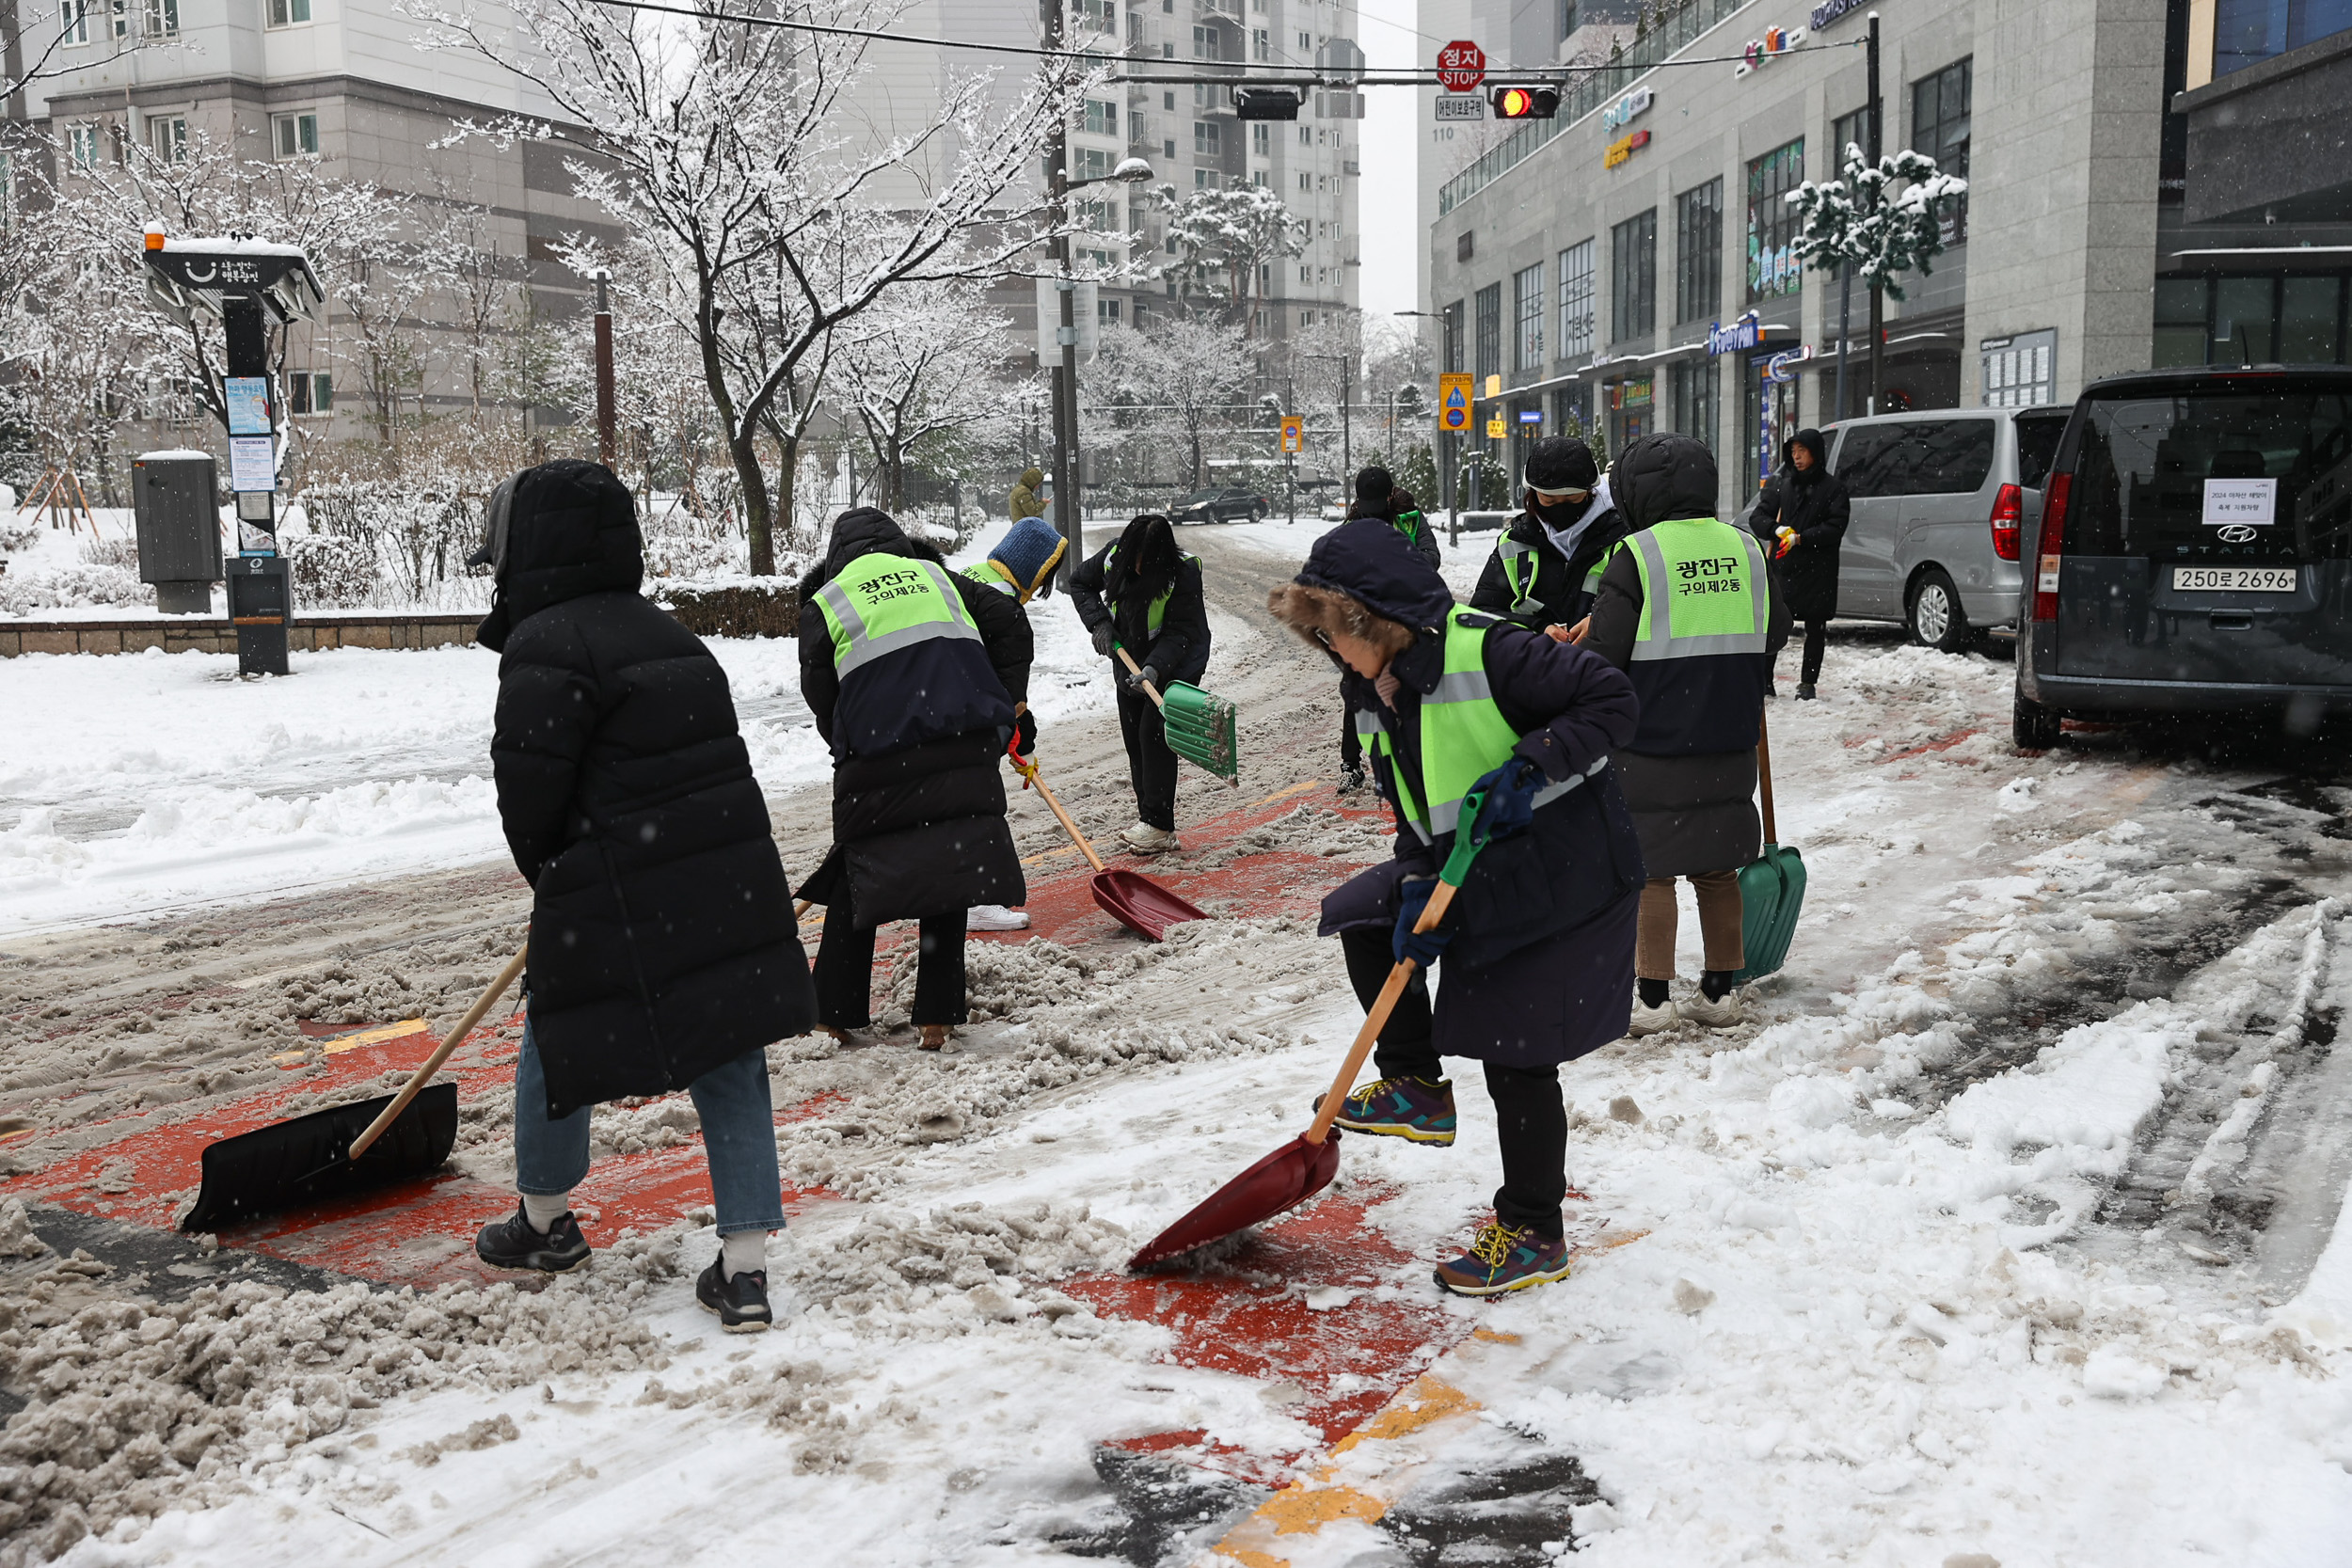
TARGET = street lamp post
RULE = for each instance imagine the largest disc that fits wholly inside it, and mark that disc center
(1347, 394)
(1067, 506)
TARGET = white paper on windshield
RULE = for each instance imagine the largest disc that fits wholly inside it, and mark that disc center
(2241, 501)
(252, 463)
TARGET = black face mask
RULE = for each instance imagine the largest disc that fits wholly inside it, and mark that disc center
(1563, 513)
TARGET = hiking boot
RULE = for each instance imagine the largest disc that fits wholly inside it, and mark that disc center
(1351, 779)
(1649, 1020)
(1504, 1259)
(512, 1243)
(1805, 693)
(1412, 1108)
(1144, 839)
(1715, 1012)
(994, 917)
(935, 1036)
(741, 1302)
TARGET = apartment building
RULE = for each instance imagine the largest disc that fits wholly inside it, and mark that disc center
(337, 80)
(1627, 265)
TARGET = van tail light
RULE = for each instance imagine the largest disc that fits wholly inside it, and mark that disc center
(2046, 581)
(2007, 508)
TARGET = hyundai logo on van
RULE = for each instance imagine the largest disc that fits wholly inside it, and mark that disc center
(2235, 533)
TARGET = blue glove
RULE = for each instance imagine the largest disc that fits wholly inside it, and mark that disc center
(1422, 947)
(1510, 799)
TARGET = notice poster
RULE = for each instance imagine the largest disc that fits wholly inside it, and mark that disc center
(252, 463)
(2252, 501)
(248, 397)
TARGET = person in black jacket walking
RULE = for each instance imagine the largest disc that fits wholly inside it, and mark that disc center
(916, 676)
(1547, 562)
(1377, 497)
(664, 953)
(1142, 592)
(1801, 517)
(1538, 949)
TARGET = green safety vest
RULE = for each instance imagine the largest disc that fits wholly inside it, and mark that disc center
(880, 604)
(1461, 735)
(990, 575)
(1703, 590)
(1518, 570)
(1158, 611)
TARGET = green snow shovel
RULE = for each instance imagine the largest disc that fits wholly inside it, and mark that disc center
(1200, 724)
(1772, 888)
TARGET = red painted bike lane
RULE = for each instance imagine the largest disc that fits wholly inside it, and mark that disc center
(1307, 1301)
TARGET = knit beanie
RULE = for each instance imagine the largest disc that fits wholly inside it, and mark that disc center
(1029, 553)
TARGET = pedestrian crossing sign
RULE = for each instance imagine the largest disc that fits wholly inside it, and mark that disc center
(1453, 401)
(1294, 433)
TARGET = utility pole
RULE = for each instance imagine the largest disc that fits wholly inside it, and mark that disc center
(1878, 299)
(1066, 505)
(1347, 395)
(606, 442)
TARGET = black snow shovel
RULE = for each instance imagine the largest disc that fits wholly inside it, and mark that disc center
(345, 1149)
(1772, 887)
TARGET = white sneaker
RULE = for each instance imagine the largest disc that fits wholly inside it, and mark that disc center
(1721, 1013)
(994, 917)
(1649, 1020)
(1144, 839)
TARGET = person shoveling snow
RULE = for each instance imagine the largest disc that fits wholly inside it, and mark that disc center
(1020, 568)
(663, 951)
(918, 678)
(1538, 946)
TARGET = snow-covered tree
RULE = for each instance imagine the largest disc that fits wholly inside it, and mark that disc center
(1175, 381)
(740, 155)
(1882, 220)
(919, 370)
(1226, 238)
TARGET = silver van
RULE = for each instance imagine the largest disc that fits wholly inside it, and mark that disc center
(2194, 554)
(1938, 501)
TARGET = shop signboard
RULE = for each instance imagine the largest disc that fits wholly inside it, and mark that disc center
(1738, 338)
(1624, 148)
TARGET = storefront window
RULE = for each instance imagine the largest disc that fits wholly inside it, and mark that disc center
(1772, 269)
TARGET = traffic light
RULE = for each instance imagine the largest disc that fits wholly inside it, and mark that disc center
(1526, 102)
(1268, 103)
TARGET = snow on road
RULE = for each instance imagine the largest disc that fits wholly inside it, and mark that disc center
(2006, 1230)
(151, 780)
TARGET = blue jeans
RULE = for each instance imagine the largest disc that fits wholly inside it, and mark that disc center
(738, 1139)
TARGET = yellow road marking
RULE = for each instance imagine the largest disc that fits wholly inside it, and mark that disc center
(336, 1044)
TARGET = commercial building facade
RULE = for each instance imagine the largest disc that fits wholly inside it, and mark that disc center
(1627, 267)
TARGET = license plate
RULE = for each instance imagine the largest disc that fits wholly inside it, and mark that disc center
(2234, 580)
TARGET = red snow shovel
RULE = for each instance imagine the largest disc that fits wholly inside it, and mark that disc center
(1305, 1165)
(1132, 899)
(344, 1149)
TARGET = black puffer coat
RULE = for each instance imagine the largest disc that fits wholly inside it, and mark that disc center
(1814, 502)
(918, 802)
(1541, 970)
(662, 942)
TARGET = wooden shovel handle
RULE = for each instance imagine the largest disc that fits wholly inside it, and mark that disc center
(440, 1054)
(1382, 1005)
(1764, 778)
(1134, 668)
(1068, 826)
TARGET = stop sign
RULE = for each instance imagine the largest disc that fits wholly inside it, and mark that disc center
(1461, 66)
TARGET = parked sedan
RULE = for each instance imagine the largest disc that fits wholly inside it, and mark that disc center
(1220, 506)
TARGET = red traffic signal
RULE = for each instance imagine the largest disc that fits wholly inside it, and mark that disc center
(1525, 102)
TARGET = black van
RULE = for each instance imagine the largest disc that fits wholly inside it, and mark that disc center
(2193, 552)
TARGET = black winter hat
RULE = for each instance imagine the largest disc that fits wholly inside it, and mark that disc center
(1373, 486)
(1663, 476)
(1559, 463)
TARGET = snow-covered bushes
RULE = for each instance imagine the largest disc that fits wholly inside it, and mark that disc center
(80, 584)
(331, 569)
(418, 537)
